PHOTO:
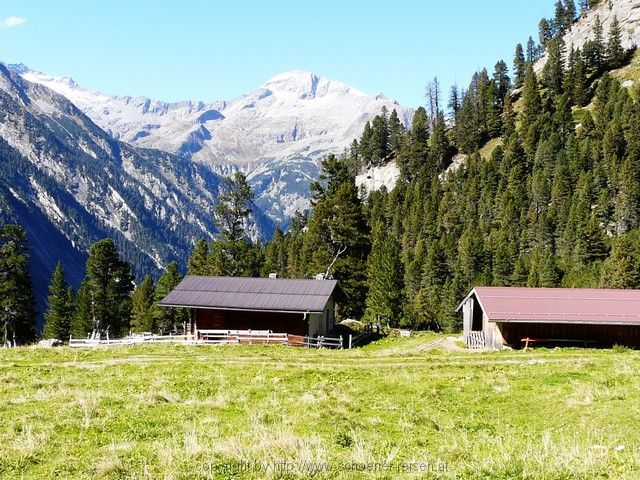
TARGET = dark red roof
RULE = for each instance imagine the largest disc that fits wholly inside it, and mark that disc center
(245, 293)
(559, 305)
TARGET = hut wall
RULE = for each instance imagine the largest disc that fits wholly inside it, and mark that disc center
(277, 322)
(329, 315)
(467, 314)
(513, 333)
(315, 324)
(492, 335)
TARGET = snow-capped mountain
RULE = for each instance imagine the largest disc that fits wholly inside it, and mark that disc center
(277, 134)
(69, 183)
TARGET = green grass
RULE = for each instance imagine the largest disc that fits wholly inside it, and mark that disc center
(489, 147)
(179, 412)
(630, 71)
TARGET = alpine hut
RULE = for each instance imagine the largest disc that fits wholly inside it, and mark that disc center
(294, 306)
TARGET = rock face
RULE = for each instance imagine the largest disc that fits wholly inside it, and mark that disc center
(626, 11)
(277, 135)
(374, 178)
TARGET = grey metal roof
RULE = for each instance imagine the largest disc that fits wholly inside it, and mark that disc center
(245, 293)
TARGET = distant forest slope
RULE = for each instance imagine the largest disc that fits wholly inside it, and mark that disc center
(555, 201)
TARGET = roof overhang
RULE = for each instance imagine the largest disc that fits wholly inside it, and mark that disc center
(209, 307)
(632, 323)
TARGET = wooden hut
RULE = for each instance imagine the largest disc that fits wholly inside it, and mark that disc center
(294, 306)
(498, 316)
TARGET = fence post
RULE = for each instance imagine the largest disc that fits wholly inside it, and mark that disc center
(350, 340)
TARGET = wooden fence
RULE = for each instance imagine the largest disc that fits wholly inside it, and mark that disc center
(474, 339)
(218, 337)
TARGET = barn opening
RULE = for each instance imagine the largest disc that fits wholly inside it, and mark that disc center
(476, 318)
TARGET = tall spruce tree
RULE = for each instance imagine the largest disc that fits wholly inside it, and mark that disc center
(231, 253)
(57, 319)
(142, 302)
(519, 66)
(614, 53)
(553, 72)
(622, 268)
(337, 241)
(533, 51)
(198, 263)
(16, 295)
(531, 101)
(168, 319)
(384, 278)
(107, 290)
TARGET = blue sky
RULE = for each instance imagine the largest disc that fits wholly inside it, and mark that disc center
(219, 49)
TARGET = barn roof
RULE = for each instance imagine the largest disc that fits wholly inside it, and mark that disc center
(559, 305)
(244, 293)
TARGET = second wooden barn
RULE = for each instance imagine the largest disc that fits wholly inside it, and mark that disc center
(498, 316)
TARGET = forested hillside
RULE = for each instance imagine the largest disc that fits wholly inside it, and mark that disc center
(548, 193)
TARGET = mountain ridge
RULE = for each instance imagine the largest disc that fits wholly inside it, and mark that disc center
(277, 134)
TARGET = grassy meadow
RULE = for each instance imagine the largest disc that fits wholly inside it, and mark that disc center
(400, 408)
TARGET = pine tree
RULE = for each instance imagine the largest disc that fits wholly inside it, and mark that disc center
(553, 72)
(454, 100)
(234, 207)
(198, 263)
(384, 278)
(57, 320)
(550, 274)
(82, 318)
(418, 147)
(439, 148)
(531, 102)
(519, 67)
(579, 85)
(594, 50)
(337, 241)
(627, 203)
(570, 11)
(232, 254)
(142, 302)
(396, 134)
(622, 268)
(614, 52)
(533, 52)
(275, 259)
(168, 319)
(380, 136)
(16, 295)
(107, 290)
(545, 32)
(502, 82)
